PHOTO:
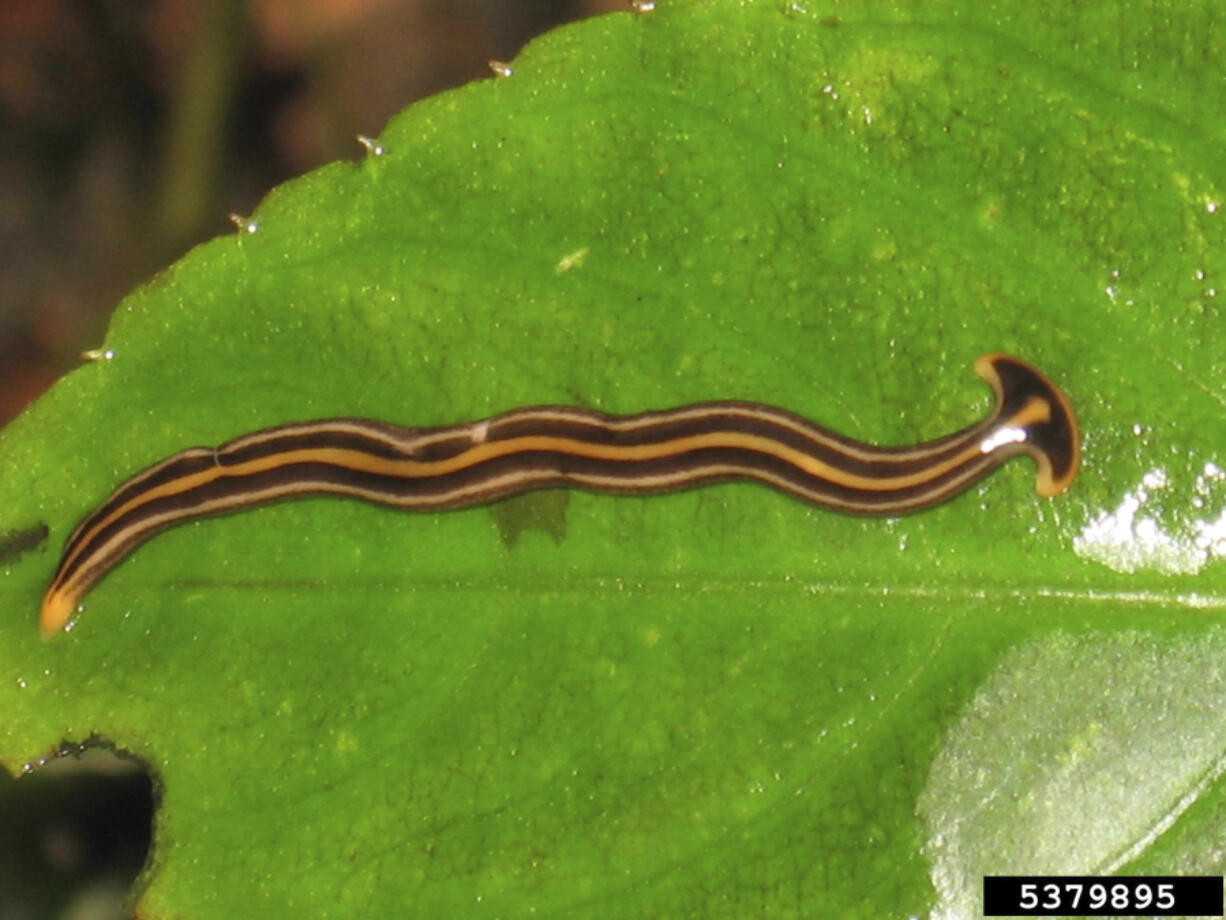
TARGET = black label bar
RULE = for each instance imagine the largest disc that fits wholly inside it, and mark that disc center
(1102, 896)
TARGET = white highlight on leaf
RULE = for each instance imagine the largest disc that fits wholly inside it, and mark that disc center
(1074, 757)
(1127, 539)
(572, 260)
(501, 69)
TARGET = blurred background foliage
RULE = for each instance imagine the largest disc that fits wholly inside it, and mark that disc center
(130, 129)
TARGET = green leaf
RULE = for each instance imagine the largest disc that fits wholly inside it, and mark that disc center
(719, 703)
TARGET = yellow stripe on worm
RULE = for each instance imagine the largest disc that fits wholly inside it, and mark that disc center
(428, 469)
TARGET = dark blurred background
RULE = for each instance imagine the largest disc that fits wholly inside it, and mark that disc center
(130, 129)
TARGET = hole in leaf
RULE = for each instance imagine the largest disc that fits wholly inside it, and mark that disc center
(74, 834)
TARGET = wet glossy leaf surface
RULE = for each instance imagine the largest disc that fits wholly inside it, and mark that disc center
(719, 703)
